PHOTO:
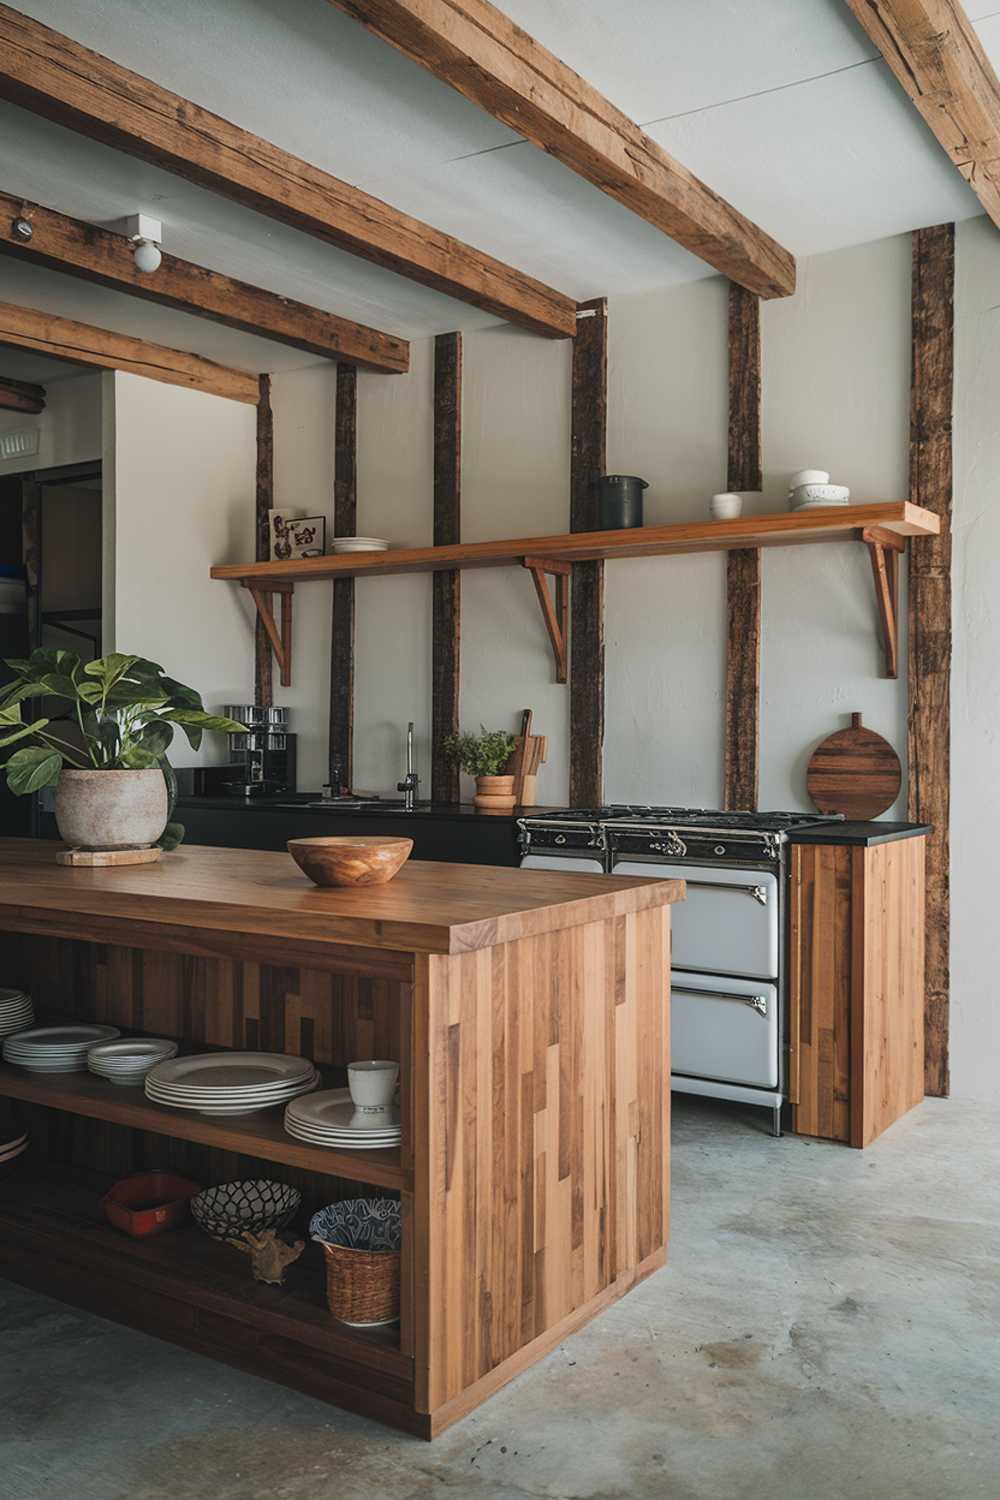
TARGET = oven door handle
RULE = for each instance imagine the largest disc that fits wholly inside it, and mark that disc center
(758, 892)
(755, 1002)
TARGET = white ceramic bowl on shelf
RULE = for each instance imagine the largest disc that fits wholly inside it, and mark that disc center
(808, 476)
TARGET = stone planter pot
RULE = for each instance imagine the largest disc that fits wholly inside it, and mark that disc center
(494, 794)
(111, 809)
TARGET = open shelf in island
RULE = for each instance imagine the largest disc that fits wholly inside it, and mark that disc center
(262, 1135)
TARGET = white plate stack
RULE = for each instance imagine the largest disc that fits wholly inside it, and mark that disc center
(126, 1062)
(55, 1049)
(16, 1012)
(13, 1143)
(810, 489)
(330, 1119)
(230, 1083)
(359, 544)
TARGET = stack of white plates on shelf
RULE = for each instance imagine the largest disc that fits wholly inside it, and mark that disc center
(230, 1083)
(55, 1049)
(16, 1011)
(811, 489)
(13, 1143)
(330, 1119)
(359, 544)
(127, 1061)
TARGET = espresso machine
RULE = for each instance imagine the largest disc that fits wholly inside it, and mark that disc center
(261, 761)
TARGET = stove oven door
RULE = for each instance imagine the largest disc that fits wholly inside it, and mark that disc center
(729, 922)
(724, 1029)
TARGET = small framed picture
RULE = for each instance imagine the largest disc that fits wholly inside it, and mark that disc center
(296, 536)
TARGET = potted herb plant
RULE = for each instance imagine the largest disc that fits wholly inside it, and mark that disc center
(484, 756)
(106, 752)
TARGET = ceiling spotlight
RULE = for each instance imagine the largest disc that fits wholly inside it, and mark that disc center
(147, 254)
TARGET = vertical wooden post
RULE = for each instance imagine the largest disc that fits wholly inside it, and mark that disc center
(742, 704)
(345, 523)
(929, 670)
(263, 685)
(447, 586)
(587, 463)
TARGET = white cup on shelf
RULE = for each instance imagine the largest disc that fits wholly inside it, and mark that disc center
(372, 1084)
(726, 507)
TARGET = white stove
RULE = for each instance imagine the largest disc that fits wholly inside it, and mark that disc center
(728, 961)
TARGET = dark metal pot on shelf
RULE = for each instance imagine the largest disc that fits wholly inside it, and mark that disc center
(619, 501)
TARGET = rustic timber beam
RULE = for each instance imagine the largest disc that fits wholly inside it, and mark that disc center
(479, 51)
(555, 611)
(345, 523)
(28, 328)
(929, 670)
(94, 254)
(741, 733)
(939, 62)
(588, 461)
(263, 502)
(446, 586)
(54, 76)
(18, 395)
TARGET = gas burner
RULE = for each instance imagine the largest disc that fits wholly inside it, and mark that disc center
(665, 833)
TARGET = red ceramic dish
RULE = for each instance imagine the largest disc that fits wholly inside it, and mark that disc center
(148, 1202)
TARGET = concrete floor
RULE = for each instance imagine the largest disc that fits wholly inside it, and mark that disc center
(827, 1327)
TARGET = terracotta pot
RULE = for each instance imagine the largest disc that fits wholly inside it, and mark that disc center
(111, 809)
(494, 794)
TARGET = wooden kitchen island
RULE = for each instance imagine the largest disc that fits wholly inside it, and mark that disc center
(528, 1012)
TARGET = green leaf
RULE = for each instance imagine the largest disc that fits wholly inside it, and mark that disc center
(56, 685)
(21, 733)
(212, 722)
(10, 714)
(157, 736)
(171, 836)
(90, 692)
(31, 768)
(110, 669)
(127, 694)
(135, 758)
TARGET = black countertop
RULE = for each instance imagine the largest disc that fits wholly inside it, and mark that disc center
(308, 802)
(862, 834)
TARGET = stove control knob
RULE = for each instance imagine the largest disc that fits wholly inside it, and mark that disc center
(720, 849)
(560, 838)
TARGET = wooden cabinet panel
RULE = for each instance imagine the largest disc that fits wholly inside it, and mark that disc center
(856, 987)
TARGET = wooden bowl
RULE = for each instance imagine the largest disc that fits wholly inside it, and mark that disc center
(350, 860)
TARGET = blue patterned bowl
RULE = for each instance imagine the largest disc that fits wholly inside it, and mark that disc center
(371, 1224)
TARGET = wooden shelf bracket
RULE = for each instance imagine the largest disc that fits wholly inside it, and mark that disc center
(281, 640)
(555, 610)
(884, 548)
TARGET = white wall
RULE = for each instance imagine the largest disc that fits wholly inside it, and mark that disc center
(975, 693)
(182, 498)
(69, 429)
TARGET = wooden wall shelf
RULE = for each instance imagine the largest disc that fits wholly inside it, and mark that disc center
(881, 525)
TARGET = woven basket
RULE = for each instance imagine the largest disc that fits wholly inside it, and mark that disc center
(362, 1284)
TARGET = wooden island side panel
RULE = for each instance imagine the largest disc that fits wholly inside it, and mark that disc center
(541, 1133)
(856, 987)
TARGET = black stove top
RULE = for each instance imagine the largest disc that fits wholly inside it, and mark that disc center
(682, 817)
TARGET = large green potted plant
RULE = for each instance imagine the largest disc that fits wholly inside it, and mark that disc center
(484, 756)
(106, 753)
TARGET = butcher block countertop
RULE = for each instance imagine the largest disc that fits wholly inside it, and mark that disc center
(427, 908)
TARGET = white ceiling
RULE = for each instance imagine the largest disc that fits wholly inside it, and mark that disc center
(780, 105)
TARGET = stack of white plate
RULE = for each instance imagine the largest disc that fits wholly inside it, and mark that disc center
(13, 1143)
(16, 1011)
(359, 544)
(811, 489)
(127, 1061)
(230, 1083)
(330, 1119)
(55, 1049)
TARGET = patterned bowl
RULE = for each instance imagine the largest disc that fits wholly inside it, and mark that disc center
(369, 1224)
(233, 1209)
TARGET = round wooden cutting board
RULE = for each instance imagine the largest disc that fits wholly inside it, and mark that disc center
(855, 772)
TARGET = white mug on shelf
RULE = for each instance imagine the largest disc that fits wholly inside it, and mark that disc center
(726, 507)
(372, 1084)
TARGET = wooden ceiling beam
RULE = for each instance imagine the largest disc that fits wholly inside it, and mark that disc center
(82, 249)
(18, 395)
(54, 76)
(479, 51)
(28, 328)
(939, 62)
